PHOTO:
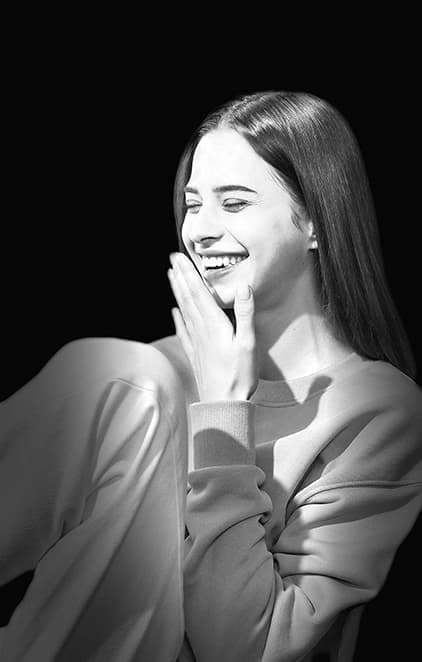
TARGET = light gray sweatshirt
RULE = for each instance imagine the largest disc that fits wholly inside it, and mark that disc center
(299, 500)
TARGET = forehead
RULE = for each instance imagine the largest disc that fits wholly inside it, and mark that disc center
(223, 156)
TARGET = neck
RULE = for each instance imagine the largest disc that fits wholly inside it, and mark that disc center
(294, 340)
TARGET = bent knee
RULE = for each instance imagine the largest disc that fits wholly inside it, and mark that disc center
(115, 359)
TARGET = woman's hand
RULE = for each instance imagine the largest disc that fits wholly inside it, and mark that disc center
(223, 361)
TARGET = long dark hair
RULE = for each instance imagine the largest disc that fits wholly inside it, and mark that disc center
(314, 152)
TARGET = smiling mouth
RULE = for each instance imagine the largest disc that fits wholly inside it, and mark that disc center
(211, 272)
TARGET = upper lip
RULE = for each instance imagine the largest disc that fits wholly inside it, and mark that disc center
(219, 253)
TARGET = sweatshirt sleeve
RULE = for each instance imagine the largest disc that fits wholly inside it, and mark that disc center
(244, 601)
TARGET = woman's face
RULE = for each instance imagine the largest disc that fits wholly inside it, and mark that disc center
(237, 207)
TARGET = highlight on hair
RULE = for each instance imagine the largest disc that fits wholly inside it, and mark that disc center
(313, 150)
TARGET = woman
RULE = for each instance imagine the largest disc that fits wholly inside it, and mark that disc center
(306, 461)
(297, 399)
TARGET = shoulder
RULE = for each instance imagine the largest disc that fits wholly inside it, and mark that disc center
(365, 384)
(383, 387)
(172, 349)
(379, 436)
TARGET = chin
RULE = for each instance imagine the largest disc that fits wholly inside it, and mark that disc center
(224, 303)
(224, 300)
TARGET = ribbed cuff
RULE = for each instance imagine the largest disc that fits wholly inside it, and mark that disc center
(223, 433)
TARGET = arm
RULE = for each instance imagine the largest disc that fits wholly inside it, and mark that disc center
(244, 601)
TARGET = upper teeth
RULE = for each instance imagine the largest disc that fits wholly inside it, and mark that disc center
(221, 261)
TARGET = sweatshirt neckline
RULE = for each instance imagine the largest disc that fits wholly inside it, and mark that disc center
(284, 391)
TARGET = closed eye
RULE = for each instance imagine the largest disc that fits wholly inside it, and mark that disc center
(231, 205)
(234, 205)
(192, 206)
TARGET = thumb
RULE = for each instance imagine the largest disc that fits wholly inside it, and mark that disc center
(244, 312)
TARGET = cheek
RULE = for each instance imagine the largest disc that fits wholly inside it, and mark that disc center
(289, 239)
(283, 249)
(185, 235)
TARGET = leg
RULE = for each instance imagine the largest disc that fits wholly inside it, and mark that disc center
(101, 454)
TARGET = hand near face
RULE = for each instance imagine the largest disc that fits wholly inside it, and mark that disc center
(223, 361)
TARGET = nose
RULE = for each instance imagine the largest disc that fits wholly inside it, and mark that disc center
(203, 227)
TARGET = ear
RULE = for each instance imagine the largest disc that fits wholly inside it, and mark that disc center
(313, 244)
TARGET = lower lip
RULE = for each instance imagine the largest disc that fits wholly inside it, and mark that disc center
(222, 271)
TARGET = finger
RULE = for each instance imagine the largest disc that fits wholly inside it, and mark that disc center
(182, 333)
(175, 288)
(181, 322)
(186, 300)
(244, 310)
(185, 310)
(199, 293)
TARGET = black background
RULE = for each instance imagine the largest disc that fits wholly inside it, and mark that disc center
(95, 127)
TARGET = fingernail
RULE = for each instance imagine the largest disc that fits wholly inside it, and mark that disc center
(243, 291)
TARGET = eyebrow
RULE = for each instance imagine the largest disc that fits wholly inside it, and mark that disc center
(222, 189)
